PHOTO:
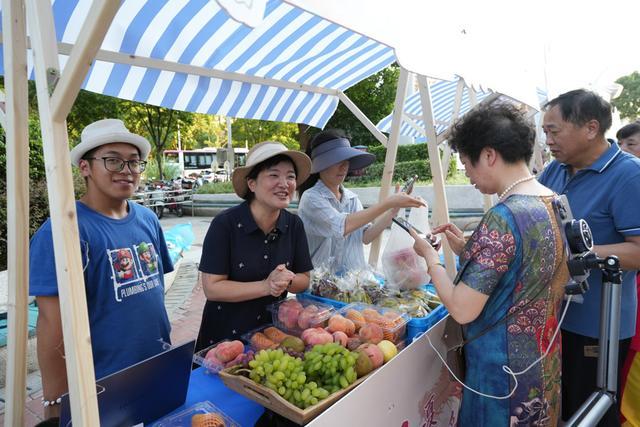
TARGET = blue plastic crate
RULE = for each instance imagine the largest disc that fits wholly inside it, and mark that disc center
(418, 325)
(323, 300)
(415, 327)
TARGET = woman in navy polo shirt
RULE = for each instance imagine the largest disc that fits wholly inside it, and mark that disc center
(255, 252)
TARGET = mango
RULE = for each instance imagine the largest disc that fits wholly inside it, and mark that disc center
(293, 343)
(363, 364)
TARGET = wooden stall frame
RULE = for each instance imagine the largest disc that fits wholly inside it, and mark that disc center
(73, 308)
(56, 93)
(15, 123)
(390, 158)
(441, 209)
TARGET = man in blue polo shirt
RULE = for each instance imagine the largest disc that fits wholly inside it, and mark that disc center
(602, 184)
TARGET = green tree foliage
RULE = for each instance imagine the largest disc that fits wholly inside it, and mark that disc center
(628, 103)
(204, 131)
(38, 201)
(88, 108)
(252, 132)
(375, 96)
(158, 124)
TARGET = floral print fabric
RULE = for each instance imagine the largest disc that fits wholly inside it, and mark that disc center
(516, 258)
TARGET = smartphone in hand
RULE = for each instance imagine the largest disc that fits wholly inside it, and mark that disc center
(408, 185)
(406, 226)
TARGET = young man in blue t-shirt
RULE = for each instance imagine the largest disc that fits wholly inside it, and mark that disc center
(124, 257)
(602, 184)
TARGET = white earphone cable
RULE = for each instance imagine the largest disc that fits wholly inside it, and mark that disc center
(506, 368)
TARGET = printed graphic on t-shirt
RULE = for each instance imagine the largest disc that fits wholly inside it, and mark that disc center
(124, 269)
(147, 258)
(133, 270)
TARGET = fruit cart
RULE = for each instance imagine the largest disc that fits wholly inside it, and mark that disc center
(413, 389)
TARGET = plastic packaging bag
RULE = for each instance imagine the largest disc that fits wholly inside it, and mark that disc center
(402, 266)
(179, 238)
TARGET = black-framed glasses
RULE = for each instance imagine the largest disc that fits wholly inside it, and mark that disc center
(114, 164)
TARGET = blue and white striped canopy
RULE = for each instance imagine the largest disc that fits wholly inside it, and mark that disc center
(443, 95)
(290, 45)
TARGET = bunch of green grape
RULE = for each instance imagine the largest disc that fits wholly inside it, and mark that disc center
(331, 366)
(285, 375)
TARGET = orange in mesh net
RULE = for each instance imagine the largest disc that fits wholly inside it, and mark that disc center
(207, 420)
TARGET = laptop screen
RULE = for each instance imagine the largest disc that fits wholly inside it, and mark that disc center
(142, 392)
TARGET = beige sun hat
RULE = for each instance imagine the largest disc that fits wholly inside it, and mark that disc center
(264, 151)
(108, 131)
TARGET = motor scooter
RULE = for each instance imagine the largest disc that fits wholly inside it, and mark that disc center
(173, 197)
(154, 199)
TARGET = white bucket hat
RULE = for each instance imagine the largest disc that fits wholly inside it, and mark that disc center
(264, 151)
(107, 131)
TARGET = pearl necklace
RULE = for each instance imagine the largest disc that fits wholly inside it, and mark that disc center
(512, 186)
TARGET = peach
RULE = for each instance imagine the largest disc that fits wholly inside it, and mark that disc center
(341, 338)
(307, 317)
(314, 336)
(372, 316)
(288, 313)
(371, 333)
(340, 323)
(356, 317)
(212, 362)
(238, 360)
(229, 350)
(374, 353)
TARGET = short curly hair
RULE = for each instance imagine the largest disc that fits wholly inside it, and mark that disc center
(499, 126)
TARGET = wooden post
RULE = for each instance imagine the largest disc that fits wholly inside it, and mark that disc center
(536, 162)
(16, 129)
(363, 119)
(390, 158)
(446, 156)
(66, 238)
(440, 198)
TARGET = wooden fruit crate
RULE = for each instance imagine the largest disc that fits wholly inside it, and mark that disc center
(272, 400)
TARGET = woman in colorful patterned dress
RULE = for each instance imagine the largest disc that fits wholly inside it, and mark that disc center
(508, 292)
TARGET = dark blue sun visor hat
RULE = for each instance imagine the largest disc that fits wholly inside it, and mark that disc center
(337, 150)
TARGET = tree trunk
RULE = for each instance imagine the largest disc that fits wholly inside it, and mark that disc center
(159, 161)
(303, 136)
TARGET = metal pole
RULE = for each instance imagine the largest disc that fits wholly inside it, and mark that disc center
(231, 158)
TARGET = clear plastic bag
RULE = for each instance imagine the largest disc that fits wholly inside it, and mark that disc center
(402, 266)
